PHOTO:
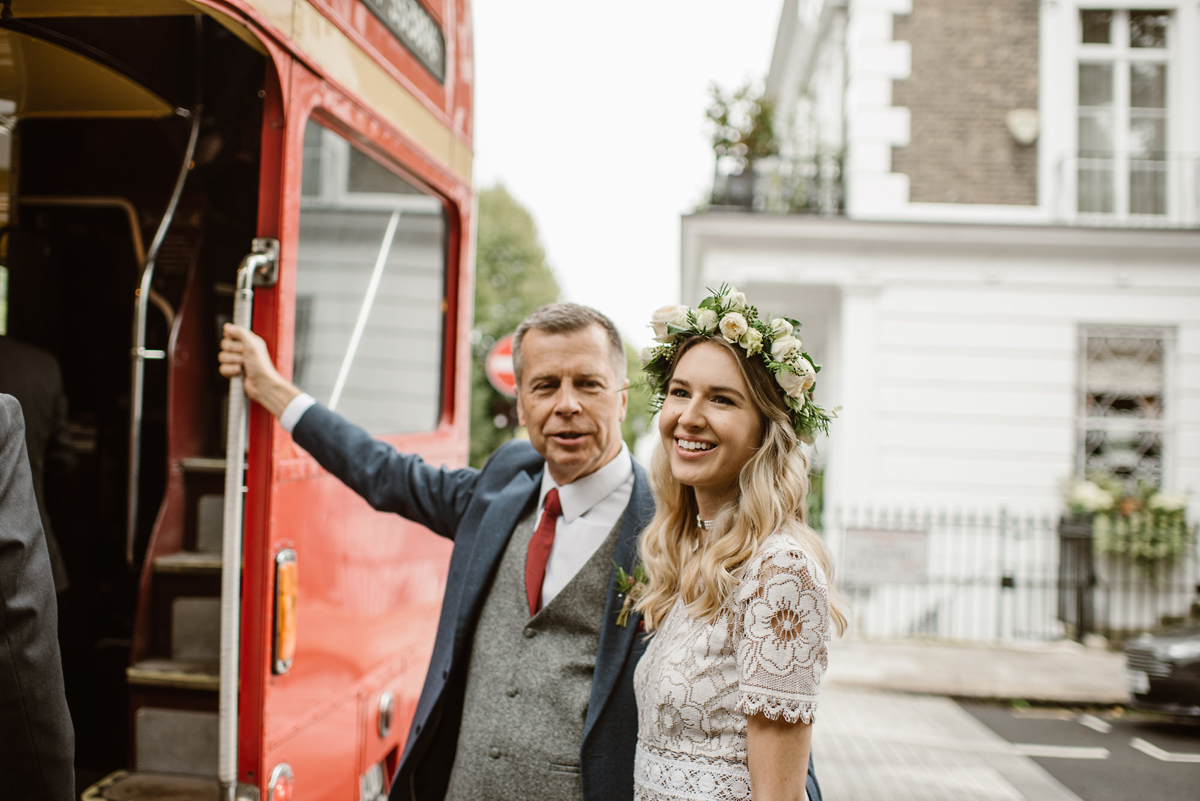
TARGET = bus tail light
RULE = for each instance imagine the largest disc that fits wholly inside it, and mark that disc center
(287, 588)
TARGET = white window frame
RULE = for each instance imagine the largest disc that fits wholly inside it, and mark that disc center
(1062, 50)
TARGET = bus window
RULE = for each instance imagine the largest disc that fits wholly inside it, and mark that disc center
(370, 289)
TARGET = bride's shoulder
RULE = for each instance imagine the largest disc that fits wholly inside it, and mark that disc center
(789, 550)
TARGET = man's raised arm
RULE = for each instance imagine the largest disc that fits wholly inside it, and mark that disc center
(388, 480)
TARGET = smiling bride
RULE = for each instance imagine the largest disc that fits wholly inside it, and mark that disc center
(738, 591)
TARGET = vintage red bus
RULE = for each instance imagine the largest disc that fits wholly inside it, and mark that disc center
(151, 145)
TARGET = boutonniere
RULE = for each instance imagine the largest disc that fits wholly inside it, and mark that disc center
(630, 586)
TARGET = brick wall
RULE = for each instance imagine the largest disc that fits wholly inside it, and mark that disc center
(973, 61)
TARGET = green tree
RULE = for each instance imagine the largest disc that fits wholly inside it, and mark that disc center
(637, 418)
(511, 280)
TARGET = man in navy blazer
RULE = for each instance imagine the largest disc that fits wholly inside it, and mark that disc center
(570, 368)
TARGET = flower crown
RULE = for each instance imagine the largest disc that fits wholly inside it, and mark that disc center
(725, 313)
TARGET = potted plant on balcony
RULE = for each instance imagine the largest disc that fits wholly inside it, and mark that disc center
(743, 133)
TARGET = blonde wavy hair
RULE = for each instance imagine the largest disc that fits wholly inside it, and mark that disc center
(772, 490)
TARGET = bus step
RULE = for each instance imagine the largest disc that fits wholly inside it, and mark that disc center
(176, 741)
(175, 674)
(193, 563)
(196, 629)
(202, 464)
(125, 786)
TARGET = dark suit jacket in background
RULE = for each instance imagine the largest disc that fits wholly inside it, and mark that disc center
(33, 377)
(478, 510)
(37, 744)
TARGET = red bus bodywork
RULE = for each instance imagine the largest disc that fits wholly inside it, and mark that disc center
(370, 584)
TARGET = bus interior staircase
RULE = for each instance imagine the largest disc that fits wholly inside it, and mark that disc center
(173, 691)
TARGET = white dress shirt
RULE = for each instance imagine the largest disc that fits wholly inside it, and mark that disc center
(295, 409)
(591, 506)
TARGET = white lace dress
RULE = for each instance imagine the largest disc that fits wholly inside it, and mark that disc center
(697, 682)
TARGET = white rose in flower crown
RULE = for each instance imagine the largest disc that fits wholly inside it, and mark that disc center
(751, 341)
(733, 300)
(807, 370)
(793, 384)
(733, 326)
(647, 355)
(706, 321)
(675, 314)
(780, 328)
(785, 348)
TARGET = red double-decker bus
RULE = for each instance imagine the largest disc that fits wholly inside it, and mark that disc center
(164, 155)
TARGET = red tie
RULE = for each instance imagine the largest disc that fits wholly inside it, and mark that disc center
(539, 551)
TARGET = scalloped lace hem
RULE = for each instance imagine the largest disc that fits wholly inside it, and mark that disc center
(774, 707)
(660, 774)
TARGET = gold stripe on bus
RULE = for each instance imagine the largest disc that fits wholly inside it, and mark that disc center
(345, 62)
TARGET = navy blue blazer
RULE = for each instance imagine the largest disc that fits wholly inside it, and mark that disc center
(478, 509)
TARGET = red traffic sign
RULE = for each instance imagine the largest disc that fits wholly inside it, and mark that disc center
(499, 367)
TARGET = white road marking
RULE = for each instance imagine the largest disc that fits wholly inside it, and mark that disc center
(1152, 750)
(975, 746)
(1095, 724)
(1060, 751)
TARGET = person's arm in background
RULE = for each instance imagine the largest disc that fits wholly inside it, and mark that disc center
(388, 480)
(37, 742)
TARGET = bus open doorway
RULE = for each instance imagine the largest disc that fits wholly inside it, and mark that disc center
(100, 119)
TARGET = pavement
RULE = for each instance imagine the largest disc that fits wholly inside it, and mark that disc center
(1061, 672)
(888, 730)
(873, 745)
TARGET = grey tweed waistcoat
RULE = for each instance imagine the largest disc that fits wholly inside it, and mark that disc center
(529, 681)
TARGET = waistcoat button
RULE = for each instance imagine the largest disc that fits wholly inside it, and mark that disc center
(530, 633)
(494, 752)
(511, 692)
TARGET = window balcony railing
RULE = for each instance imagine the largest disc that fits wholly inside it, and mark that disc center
(782, 185)
(1102, 190)
(1128, 190)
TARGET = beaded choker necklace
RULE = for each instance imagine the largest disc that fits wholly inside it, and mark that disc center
(705, 524)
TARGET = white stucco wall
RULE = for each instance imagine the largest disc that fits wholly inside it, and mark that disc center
(953, 349)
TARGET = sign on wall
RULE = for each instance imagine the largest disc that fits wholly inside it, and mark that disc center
(416, 30)
(875, 556)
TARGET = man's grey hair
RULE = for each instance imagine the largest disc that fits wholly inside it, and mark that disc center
(566, 318)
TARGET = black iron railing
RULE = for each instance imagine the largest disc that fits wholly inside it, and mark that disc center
(999, 576)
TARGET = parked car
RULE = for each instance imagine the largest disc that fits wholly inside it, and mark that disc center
(1164, 671)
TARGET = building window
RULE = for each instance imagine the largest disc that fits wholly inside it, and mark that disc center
(370, 289)
(1123, 160)
(1122, 421)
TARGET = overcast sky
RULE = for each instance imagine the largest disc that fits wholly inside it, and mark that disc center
(592, 114)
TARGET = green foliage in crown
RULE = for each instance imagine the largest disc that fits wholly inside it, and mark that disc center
(725, 313)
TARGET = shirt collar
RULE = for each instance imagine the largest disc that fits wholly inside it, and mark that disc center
(578, 497)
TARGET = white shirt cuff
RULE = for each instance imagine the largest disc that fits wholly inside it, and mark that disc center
(295, 410)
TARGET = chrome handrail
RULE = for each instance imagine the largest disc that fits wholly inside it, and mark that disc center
(138, 352)
(258, 268)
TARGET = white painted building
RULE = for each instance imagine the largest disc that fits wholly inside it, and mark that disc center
(1013, 294)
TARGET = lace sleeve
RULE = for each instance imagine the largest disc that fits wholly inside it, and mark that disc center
(783, 605)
